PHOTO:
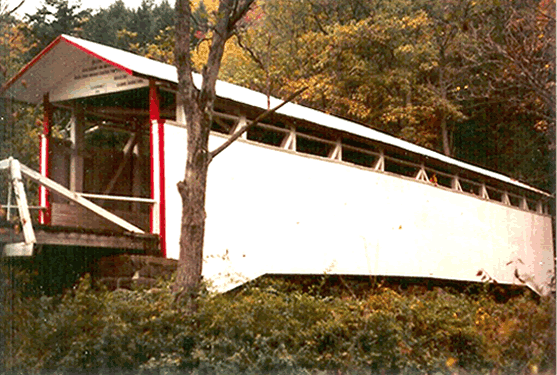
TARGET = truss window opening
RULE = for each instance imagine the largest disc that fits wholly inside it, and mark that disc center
(439, 179)
(494, 194)
(223, 126)
(266, 135)
(470, 187)
(395, 166)
(312, 146)
(357, 157)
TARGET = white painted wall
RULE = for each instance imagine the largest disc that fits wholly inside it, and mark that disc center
(274, 211)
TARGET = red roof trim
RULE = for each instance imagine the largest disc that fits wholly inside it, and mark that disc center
(129, 71)
(55, 42)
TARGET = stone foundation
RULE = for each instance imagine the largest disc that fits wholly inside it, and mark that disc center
(130, 271)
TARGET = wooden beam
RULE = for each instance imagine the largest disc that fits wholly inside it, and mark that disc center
(455, 184)
(289, 142)
(128, 148)
(524, 204)
(240, 124)
(422, 174)
(21, 200)
(4, 164)
(336, 152)
(75, 197)
(44, 215)
(137, 175)
(380, 164)
(505, 199)
(483, 192)
(77, 132)
(120, 198)
(146, 243)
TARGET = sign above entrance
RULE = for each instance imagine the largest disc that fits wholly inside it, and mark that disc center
(95, 77)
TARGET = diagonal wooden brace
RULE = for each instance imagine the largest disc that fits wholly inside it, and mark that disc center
(21, 201)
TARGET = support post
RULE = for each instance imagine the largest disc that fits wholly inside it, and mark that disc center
(77, 130)
(45, 214)
(137, 168)
(289, 143)
(241, 123)
(157, 166)
(336, 152)
(422, 174)
(455, 184)
(380, 165)
(483, 192)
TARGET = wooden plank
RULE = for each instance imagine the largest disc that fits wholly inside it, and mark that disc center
(336, 152)
(483, 192)
(455, 183)
(128, 148)
(72, 196)
(289, 143)
(75, 216)
(20, 249)
(118, 198)
(77, 132)
(147, 243)
(21, 199)
(380, 165)
(4, 164)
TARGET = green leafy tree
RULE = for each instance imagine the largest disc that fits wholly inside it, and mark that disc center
(55, 17)
(104, 25)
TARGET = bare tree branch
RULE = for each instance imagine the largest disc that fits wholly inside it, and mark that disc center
(14, 9)
(259, 118)
(183, 60)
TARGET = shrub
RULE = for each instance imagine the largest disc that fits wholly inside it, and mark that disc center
(277, 328)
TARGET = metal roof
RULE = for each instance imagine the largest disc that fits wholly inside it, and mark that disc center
(64, 55)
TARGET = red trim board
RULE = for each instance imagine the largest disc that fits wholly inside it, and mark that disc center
(157, 166)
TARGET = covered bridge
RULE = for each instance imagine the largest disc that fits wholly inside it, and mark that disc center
(303, 193)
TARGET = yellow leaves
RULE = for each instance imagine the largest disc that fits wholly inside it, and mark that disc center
(481, 317)
(451, 362)
(415, 21)
(211, 5)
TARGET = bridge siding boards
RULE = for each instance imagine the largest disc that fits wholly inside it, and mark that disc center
(271, 210)
(306, 192)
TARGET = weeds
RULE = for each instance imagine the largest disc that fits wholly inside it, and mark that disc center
(276, 327)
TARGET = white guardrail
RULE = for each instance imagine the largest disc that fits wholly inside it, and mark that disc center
(17, 170)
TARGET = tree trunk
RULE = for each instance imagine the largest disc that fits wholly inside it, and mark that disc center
(192, 192)
(444, 128)
(198, 109)
(445, 136)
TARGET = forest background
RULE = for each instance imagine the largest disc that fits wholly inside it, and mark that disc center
(471, 79)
